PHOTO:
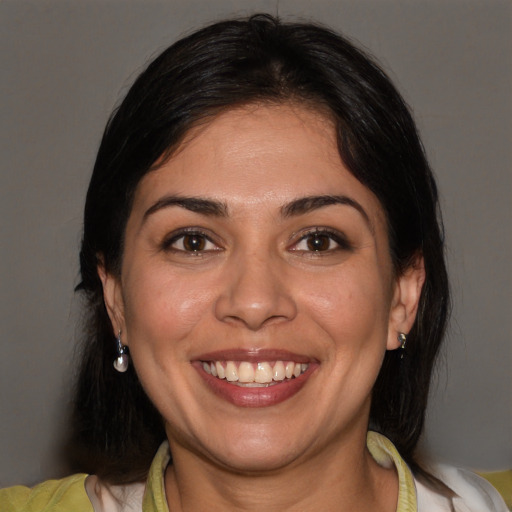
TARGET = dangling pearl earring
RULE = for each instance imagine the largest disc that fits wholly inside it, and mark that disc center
(402, 338)
(122, 360)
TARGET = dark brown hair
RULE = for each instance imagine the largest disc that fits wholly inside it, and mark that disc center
(224, 65)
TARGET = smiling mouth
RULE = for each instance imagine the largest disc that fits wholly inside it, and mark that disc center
(259, 374)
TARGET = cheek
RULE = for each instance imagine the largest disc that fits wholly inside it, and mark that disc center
(163, 306)
(353, 306)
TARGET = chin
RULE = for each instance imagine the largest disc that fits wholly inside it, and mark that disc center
(247, 451)
(255, 459)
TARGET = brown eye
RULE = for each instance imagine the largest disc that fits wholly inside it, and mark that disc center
(194, 242)
(322, 240)
(191, 242)
(319, 242)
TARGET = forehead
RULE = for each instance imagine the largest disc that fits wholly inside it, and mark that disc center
(261, 155)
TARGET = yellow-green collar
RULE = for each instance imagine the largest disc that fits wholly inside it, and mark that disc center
(381, 448)
(154, 497)
(385, 454)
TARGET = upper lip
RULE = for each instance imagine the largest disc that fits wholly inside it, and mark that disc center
(254, 355)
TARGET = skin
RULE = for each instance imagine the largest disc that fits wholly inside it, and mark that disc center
(257, 284)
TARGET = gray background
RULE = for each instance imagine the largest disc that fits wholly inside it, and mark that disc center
(63, 67)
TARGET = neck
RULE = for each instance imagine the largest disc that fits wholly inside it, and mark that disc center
(343, 477)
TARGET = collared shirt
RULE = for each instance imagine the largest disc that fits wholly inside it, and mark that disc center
(82, 493)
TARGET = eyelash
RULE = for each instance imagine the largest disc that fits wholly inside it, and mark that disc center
(332, 235)
(167, 244)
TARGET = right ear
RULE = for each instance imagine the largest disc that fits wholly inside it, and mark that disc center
(113, 297)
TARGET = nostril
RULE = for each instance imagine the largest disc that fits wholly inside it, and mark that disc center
(255, 315)
(255, 322)
(254, 295)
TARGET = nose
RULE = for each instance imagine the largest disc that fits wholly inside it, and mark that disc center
(256, 293)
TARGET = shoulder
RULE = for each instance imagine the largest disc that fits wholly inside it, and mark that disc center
(53, 495)
(114, 498)
(474, 494)
(77, 493)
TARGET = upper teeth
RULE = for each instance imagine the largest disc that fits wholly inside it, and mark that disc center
(260, 373)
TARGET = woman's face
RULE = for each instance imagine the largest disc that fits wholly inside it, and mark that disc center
(257, 294)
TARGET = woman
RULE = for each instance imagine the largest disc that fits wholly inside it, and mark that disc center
(263, 264)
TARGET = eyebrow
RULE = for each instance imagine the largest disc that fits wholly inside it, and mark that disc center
(308, 204)
(300, 206)
(200, 205)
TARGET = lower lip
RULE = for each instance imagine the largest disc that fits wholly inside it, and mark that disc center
(258, 396)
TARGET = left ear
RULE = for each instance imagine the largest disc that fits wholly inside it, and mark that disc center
(406, 298)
